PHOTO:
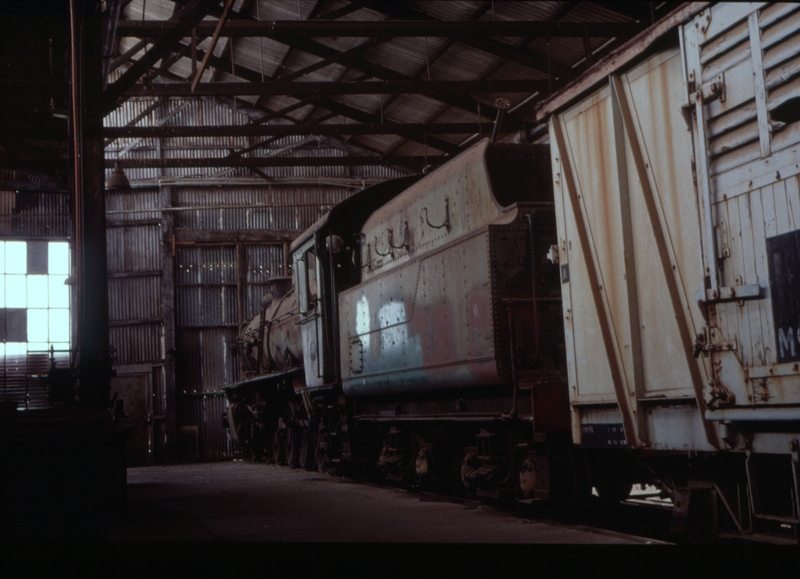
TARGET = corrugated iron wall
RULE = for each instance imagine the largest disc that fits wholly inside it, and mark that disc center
(209, 280)
(35, 215)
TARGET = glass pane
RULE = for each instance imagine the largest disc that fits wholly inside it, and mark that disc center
(37, 325)
(16, 348)
(59, 347)
(2, 291)
(59, 325)
(16, 291)
(311, 261)
(59, 292)
(37, 291)
(38, 347)
(58, 257)
(2, 256)
(16, 257)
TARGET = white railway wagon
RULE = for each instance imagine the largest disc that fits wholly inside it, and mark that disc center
(675, 165)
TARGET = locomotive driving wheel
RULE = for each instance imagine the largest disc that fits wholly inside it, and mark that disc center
(277, 444)
(321, 459)
(292, 437)
(307, 448)
(293, 446)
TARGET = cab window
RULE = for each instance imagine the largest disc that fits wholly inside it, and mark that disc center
(307, 281)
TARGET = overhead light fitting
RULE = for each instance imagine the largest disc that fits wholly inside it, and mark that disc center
(118, 181)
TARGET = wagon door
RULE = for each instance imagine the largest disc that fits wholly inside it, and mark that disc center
(743, 94)
(627, 222)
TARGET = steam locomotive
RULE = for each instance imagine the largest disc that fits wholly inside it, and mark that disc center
(618, 307)
(422, 336)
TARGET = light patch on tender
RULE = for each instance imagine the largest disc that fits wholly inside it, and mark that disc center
(362, 321)
(392, 319)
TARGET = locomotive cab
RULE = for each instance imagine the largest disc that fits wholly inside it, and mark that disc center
(314, 316)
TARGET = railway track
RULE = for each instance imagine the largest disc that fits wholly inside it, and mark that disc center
(646, 514)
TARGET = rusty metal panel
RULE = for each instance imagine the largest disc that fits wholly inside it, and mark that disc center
(205, 306)
(276, 207)
(752, 200)
(640, 351)
(206, 265)
(137, 343)
(204, 359)
(261, 262)
(134, 248)
(132, 205)
(404, 330)
(134, 298)
(32, 214)
(429, 311)
(204, 411)
(436, 210)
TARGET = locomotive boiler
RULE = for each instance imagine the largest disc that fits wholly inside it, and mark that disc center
(422, 334)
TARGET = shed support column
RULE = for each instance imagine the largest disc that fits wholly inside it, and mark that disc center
(89, 180)
(168, 316)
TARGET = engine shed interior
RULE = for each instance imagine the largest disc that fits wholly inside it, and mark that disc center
(379, 239)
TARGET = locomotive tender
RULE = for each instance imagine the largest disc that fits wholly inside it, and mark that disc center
(418, 326)
(634, 319)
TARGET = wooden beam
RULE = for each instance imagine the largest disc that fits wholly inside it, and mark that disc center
(232, 236)
(403, 129)
(213, 45)
(277, 29)
(177, 28)
(206, 162)
(426, 87)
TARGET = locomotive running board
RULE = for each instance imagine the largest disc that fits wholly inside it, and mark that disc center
(263, 380)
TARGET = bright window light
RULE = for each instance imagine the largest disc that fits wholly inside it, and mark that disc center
(59, 326)
(37, 291)
(16, 348)
(37, 325)
(44, 297)
(58, 292)
(16, 291)
(38, 347)
(58, 258)
(16, 257)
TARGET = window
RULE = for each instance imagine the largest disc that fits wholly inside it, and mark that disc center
(34, 300)
(307, 282)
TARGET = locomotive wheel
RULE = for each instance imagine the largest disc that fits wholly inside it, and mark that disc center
(293, 446)
(307, 448)
(320, 454)
(277, 445)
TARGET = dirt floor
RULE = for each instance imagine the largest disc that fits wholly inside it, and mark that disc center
(240, 501)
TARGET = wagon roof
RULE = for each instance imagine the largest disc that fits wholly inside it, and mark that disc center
(635, 48)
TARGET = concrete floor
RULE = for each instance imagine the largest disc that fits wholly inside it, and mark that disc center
(240, 501)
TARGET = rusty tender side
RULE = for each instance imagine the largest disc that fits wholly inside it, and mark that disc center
(422, 335)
